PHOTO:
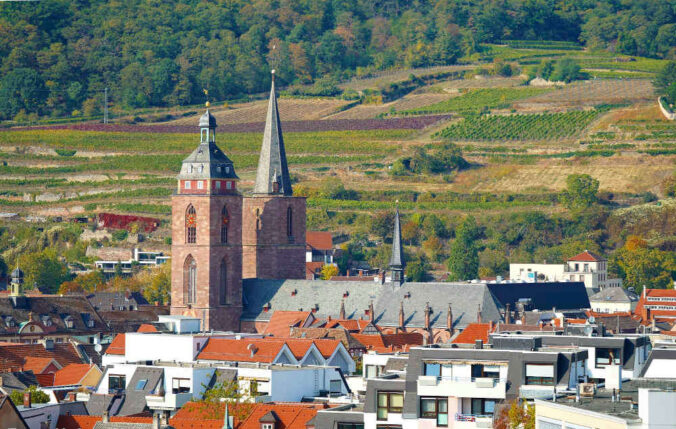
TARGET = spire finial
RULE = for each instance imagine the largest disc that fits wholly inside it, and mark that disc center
(206, 93)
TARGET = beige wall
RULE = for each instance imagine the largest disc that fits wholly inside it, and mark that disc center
(92, 378)
(576, 416)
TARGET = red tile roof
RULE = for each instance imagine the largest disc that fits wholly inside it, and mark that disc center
(319, 240)
(71, 374)
(586, 256)
(312, 268)
(473, 332)
(281, 322)
(146, 327)
(117, 346)
(45, 380)
(13, 355)
(326, 347)
(37, 364)
(88, 422)
(351, 325)
(242, 350)
(645, 299)
(384, 343)
(661, 293)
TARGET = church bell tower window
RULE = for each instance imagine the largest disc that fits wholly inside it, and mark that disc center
(191, 225)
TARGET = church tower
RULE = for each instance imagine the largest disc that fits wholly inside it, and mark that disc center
(273, 234)
(206, 253)
(397, 261)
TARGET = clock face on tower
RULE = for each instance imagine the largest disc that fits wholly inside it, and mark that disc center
(191, 220)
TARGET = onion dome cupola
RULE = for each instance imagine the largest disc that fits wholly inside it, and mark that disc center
(207, 170)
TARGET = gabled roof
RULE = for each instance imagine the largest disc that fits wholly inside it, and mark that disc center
(319, 240)
(38, 364)
(19, 380)
(339, 334)
(143, 382)
(327, 296)
(89, 422)
(272, 176)
(586, 256)
(146, 327)
(352, 325)
(117, 346)
(661, 293)
(71, 374)
(473, 332)
(242, 350)
(108, 301)
(13, 355)
(386, 343)
(282, 321)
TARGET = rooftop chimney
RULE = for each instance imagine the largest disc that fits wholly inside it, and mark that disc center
(372, 313)
(428, 311)
(508, 315)
(342, 310)
(478, 314)
(26, 399)
(401, 314)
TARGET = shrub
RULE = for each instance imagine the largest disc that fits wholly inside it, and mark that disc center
(120, 234)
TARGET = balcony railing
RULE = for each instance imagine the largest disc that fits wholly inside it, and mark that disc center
(468, 379)
(168, 401)
(479, 420)
(470, 387)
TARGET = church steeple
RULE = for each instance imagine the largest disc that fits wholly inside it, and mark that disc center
(397, 262)
(272, 177)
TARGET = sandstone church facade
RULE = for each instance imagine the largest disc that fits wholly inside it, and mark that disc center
(220, 236)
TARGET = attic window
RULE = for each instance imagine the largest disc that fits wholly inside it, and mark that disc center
(268, 426)
(141, 384)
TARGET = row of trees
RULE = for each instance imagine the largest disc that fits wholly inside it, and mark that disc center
(467, 248)
(59, 55)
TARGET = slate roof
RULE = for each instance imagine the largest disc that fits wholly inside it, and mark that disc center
(465, 299)
(108, 301)
(135, 400)
(49, 312)
(89, 353)
(544, 296)
(615, 294)
(272, 167)
(19, 380)
(397, 257)
(207, 161)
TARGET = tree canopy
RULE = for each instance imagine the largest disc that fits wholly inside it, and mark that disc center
(58, 55)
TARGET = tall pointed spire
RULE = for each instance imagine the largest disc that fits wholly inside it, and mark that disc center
(397, 263)
(272, 177)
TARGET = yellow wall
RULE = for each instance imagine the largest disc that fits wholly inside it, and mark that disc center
(92, 378)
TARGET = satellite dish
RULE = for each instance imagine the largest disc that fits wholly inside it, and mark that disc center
(591, 319)
(98, 348)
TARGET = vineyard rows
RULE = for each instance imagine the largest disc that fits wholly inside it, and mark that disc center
(475, 100)
(546, 126)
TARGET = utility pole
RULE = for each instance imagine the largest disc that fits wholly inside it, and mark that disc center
(105, 106)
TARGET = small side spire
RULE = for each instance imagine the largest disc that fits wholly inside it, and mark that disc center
(341, 315)
(397, 262)
(272, 176)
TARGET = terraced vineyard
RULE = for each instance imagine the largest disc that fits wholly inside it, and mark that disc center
(478, 99)
(545, 126)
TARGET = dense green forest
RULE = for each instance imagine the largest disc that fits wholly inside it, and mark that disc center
(57, 56)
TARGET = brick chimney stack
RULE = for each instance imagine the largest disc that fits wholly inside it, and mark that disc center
(27, 399)
(372, 313)
(401, 315)
(478, 314)
(428, 311)
(508, 314)
(449, 319)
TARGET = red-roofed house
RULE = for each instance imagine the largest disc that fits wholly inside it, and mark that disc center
(474, 332)
(281, 322)
(318, 252)
(585, 267)
(247, 350)
(41, 365)
(82, 374)
(389, 343)
(13, 355)
(656, 304)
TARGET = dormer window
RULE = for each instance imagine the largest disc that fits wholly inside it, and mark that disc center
(218, 168)
(227, 169)
(267, 426)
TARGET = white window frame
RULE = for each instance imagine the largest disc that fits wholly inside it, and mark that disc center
(188, 185)
(200, 184)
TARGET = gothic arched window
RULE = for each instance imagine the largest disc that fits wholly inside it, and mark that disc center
(190, 225)
(289, 222)
(223, 284)
(225, 220)
(189, 280)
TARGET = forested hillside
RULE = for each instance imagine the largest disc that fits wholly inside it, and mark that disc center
(57, 56)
